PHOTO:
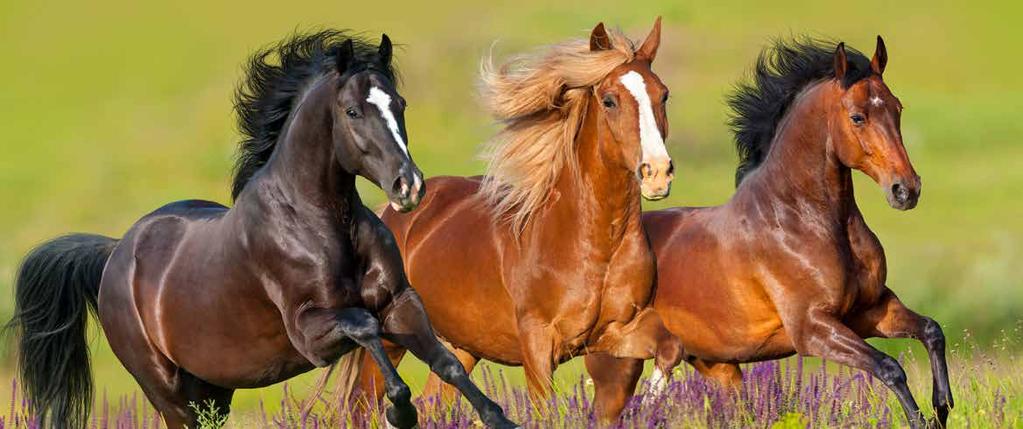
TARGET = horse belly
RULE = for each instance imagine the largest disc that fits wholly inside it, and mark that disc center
(718, 311)
(236, 345)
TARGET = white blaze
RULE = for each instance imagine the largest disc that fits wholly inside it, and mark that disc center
(383, 102)
(650, 137)
(875, 100)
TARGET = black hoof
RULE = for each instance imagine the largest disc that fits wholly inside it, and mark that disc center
(495, 419)
(402, 417)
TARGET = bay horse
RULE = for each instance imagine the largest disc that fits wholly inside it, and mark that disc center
(789, 265)
(544, 258)
(198, 299)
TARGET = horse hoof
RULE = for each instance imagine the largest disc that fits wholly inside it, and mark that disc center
(401, 417)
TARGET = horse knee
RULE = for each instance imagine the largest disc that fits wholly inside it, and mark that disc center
(362, 328)
(890, 372)
(933, 335)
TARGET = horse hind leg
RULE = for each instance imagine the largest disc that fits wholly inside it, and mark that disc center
(179, 396)
(890, 318)
(169, 388)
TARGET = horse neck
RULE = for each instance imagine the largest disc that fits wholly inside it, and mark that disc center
(603, 196)
(302, 173)
(800, 169)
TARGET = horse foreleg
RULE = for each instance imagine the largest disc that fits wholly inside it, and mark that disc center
(821, 334)
(362, 328)
(891, 319)
(614, 381)
(371, 380)
(437, 388)
(538, 360)
(406, 324)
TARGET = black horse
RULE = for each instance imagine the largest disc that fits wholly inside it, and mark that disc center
(198, 299)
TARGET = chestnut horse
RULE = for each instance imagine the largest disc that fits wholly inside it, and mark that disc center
(198, 299)
(545, 257)
(789, 265)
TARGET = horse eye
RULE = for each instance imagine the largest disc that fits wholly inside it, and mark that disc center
(664, 99)
(858, 119)
(351, 113)
(609, 102)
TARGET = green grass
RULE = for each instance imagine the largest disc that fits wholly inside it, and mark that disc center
(111, 109)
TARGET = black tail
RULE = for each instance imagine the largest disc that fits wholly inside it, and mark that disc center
(57, 284)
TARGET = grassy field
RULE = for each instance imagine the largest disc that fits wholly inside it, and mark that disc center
(110, 109)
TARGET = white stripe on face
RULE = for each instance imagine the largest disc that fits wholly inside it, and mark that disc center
(650, 137)
(380, 99)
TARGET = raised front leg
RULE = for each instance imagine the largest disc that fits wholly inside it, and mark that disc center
(405, 323)
(404, 318)
(336, 332)
(891, 319)
(437, 388)
(820, 334)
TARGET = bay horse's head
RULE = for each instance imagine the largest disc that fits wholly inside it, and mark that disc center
(866, 133)
(369, 120)
(632, 103)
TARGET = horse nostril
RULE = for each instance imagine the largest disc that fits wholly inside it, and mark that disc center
(400, 187)
(645, 170)
(900, 192)
(671, 168)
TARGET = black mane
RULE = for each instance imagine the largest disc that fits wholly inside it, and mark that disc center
(782, 71)
(274, 77)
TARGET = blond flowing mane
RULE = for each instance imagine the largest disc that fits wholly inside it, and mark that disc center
(540, 99)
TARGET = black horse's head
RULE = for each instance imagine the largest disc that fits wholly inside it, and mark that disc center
(369, 120)
(362, 118)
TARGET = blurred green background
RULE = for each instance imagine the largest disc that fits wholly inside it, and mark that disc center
(111, 109)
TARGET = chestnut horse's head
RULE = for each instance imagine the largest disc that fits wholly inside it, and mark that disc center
(632, 104)
(601, 90)
(866, 132)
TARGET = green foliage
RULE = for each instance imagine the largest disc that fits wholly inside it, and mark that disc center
(791, 421)
(210, 416)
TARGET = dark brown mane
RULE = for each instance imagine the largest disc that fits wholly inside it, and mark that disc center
(782, 70)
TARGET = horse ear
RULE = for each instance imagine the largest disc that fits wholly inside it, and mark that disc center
(653, 40)
(599, 40)
(345, 54)
(841, 63)
(880, 57)
(385, 50)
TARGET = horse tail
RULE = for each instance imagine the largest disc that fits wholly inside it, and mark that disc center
(56, 286)
(348, 370)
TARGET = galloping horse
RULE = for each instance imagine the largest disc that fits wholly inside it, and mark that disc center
(545, 258)
(789, 265)
(198, 299)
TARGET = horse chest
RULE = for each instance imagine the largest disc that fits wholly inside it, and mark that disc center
(620, 287)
